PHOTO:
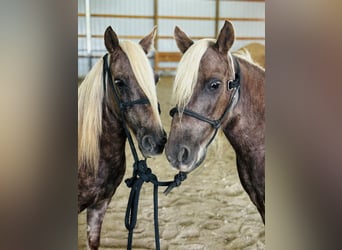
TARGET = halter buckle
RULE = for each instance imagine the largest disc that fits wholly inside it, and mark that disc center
(234, 83)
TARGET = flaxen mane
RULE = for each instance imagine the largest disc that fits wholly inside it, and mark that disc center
(90, 97)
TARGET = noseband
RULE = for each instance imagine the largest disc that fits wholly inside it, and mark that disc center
(216, 124)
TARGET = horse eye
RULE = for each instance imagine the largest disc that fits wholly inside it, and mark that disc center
(119, 82)
(214, 84)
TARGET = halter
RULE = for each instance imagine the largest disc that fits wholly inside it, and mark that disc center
(141, 172)
(216, 124)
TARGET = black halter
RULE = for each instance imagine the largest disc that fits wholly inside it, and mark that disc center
(141, 172)
(122, 105)
(216, 124)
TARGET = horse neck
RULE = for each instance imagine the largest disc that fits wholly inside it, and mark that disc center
(245, 125)
(113, 136)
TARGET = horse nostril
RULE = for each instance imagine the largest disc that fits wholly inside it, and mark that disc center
(183, 154)
(147, 143)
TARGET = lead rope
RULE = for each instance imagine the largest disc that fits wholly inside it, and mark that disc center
(141, 172)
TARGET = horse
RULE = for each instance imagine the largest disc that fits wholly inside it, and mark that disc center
(101, 136)
(214, 89)
(255, 51)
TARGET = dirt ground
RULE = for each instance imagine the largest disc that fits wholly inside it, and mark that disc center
(210, 210)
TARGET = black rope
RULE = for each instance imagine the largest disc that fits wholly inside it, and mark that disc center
(141, 172)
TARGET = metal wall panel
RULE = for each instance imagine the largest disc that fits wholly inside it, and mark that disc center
(131, 18)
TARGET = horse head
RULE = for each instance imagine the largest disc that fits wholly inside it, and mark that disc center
(134, 86)
(202, 92)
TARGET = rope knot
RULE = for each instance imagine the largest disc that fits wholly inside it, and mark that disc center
(145, 173)
(141, 166)
(130, 181)
(181, 176)
(216, 124)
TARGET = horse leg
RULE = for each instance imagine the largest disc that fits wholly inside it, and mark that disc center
(95, 215)
(254, 187)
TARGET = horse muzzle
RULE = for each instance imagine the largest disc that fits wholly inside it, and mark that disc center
(183, 157)
(151, 144)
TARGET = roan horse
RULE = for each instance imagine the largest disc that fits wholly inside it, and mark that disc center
(215, 89)
(101, 136)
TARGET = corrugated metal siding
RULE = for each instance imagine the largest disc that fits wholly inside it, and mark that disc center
(142, 26)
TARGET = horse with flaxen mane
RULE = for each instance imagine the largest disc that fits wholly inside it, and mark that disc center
(214, 89)
(124, 74)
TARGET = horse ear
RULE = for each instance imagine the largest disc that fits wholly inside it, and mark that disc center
(147, 42)
(156, 78)
(226, 37)
(182, 40)
(111, 39)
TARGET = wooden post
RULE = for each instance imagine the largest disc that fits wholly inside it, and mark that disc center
(155, 21)
(88, 32)
(217, 16)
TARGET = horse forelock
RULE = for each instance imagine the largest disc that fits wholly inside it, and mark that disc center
(90, 96)
(187, 72)
(143, 73)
